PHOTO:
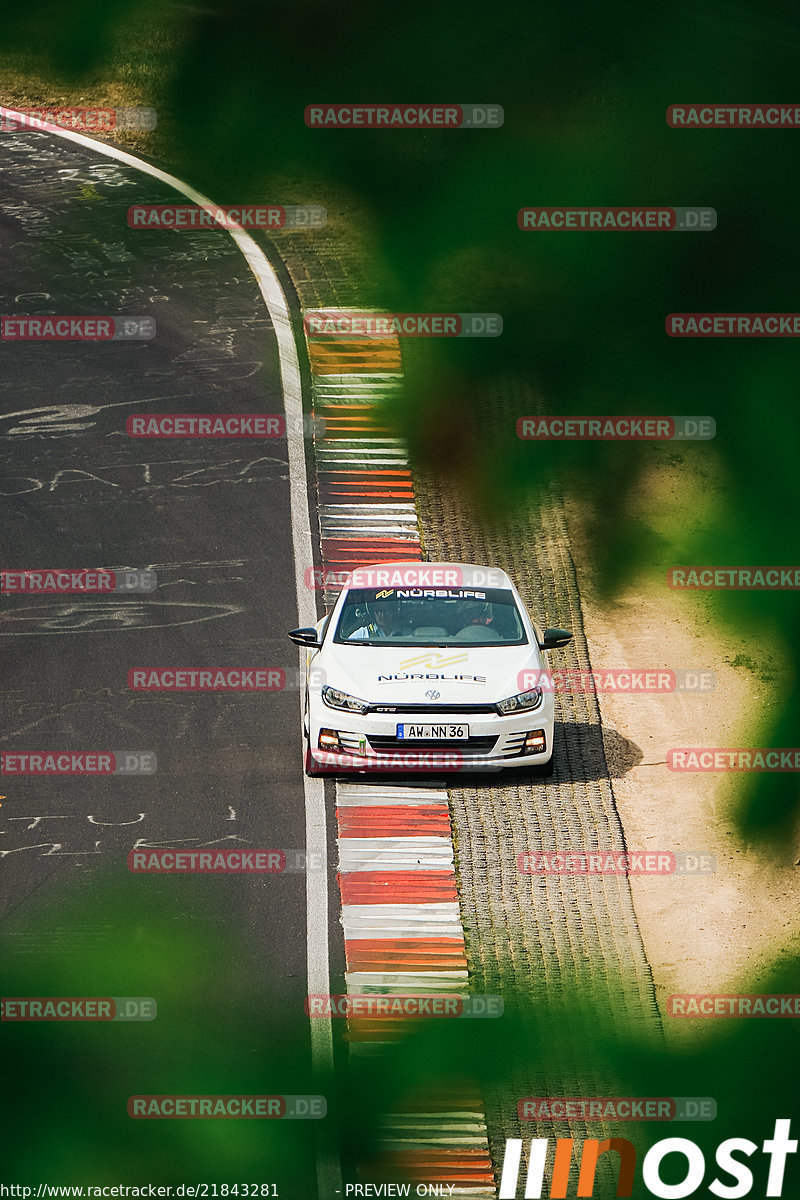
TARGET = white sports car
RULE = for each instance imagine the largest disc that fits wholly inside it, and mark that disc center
(428, 667)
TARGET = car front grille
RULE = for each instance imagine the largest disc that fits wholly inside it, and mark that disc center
(436, 709)
(472, 745)
(510, 746)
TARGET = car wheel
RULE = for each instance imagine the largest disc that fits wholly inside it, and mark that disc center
(312, 767)
(544, 770)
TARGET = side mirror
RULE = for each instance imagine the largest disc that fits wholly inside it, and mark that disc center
(553, 638)
(307, 636)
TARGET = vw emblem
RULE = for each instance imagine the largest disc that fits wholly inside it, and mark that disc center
(433, 695)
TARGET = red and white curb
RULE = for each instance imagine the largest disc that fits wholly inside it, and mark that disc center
(400, 910)
(366, 495)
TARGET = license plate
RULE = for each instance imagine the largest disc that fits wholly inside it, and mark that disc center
(433, 733)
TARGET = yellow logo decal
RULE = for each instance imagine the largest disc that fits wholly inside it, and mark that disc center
(433, 660)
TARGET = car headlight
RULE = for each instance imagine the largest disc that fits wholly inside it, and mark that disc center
(336, 699)
(522, 702)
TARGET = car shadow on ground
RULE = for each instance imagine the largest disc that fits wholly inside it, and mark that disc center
(583, 754)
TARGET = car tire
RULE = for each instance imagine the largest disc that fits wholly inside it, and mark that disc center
(311, 767)
(544, 770)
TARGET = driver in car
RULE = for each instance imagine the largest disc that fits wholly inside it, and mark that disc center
(384, 624)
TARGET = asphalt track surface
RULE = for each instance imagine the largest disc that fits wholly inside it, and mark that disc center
(212, 519)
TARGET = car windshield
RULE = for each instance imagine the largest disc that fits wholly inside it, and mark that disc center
(430, 617)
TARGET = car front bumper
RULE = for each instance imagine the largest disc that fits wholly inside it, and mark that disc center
(369, 742)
